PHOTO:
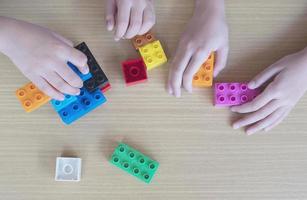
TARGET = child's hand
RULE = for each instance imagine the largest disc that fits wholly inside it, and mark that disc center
(279, 97)
(42, 56)
(129, 17)
(206, 32)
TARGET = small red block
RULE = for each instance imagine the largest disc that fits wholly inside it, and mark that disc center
(105, 88)
(134, 71)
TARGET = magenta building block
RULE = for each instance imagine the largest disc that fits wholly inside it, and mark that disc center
(231, 94)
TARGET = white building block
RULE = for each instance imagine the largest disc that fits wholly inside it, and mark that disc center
(68, 169)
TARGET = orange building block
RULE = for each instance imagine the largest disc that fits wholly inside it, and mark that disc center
(204, 76)
(31, 97)
(141, 40)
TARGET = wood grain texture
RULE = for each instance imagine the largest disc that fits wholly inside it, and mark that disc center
(200, 156)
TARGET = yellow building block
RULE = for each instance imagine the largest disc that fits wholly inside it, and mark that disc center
(153, 54)
(204, 76)
(31, 97)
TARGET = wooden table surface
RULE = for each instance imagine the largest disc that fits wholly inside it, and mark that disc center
(200, 156)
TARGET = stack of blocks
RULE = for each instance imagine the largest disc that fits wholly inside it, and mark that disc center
(152, 53)
(72, 107)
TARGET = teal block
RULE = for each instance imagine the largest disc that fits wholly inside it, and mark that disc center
(134, 162)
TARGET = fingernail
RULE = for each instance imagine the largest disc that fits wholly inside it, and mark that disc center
(77, 92)
(85, 70)
(235, 126)
(116, 39)
(233, 109)
(249, 132)
(251, 85)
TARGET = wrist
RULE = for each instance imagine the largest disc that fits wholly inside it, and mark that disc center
(214, 7)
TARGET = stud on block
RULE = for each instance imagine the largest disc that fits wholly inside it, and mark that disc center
(31, 97)
(141, 40)
(86, 102)
(68, 169)
(153, 55)
(204, 76)
(58, 105)
(134, 71)
(231, 94)
(134, 162)
(99, 79)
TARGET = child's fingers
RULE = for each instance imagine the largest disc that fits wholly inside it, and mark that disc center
(122, 20)
(265, 122)
(195, 63)
(181, 60)
(135, 22)
(77, 58)
(63, 39)
(265, 75)
(258, 115)
(220, 60)
(58, 83)
(69, 75)
(110, 14)
(149, 20)
(265, 97)
(45, 87)
(279, 120)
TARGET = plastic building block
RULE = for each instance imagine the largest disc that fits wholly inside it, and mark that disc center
(31, 97)
(68, 169)
(99, 79)
(134, 72)
(83, 77)
(106, 88)
(134, 162)
(58, 105)
(204, 76)
(230, 94)
(141, 40)
(153, 55)
(85, 103)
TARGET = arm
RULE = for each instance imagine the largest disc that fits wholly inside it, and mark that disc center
(42, 56)
(206, 32)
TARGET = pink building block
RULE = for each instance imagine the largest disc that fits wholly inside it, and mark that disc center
(230, 94)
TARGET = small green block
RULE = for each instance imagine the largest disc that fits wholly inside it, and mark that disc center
(134, 162)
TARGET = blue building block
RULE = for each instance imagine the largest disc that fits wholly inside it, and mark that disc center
(83, 77)
(59, 105)
(85, 103)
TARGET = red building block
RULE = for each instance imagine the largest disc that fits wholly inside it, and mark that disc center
(134, 71)
(105, 88)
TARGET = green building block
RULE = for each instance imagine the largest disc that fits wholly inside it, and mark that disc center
(134, 162)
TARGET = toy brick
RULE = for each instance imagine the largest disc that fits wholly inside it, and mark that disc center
(134, 71)
(85, 103)
(134, 162)
(59, 105)
(106, 88)
(141, 40)
(204, 76)
(68, 169)
(31, 97)
(83, 77)
(153, 55)
(99, 79)
(230, 94)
